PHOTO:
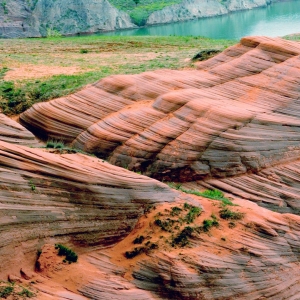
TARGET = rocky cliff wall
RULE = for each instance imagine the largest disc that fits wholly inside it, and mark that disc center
(20, 18)
(192, 9)
(36, 18)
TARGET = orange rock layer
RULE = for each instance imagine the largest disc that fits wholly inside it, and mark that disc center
(72, 199)
(237, 114)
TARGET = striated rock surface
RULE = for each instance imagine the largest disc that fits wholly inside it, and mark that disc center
(257, 259)
(192, 9)
(30, 18)
(72, 199)
(13, 132)
(36, 18)
(237, 113)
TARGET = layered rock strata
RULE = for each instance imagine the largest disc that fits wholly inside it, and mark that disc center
(192, 9)
(31, 18)
(257, 259)
(13, 132)
(72, 199)
(237, 113)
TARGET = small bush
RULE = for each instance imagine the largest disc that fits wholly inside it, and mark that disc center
(183, 238)
(26, 293)
(5, 291)
(84, 51)
(192, 214)
(139, 240)
(208, 224)
(228, 214)
(165, 225)
(70, 254)
(175, 211)
(55, 144)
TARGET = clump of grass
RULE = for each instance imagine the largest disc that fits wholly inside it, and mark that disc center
(3, 72)
(139, 239)
(165, 225)
(209, 223)
(145, 249)
(5, 291)
(192, 214)
(83, 51)
(182, 239)
(175, 211)
(211, 194)
(55, 144)
(70, 255)
(26, 293)
(228, 214)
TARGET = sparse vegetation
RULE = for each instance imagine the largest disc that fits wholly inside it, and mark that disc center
(32, 185)
(139, 239)
(115, 55)
(14, 291)
(55, 144)
(139, 10)
(182, 239)
(136, 251)
(69, 254)
(26, 293)
(5, 291)
(228, 214)
(211, 194)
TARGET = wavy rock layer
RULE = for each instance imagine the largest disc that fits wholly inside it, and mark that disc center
(237, 113)
(258, 259)
(73, 199)
(13, 132)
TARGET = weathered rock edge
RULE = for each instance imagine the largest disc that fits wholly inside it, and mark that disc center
(71, 199)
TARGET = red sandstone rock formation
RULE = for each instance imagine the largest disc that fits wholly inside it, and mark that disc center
(233, 124)
(73, 199)
(237, 114)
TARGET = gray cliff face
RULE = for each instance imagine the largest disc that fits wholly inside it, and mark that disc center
(23, 18)
(191, 9)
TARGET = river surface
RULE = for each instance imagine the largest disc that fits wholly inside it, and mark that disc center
(277, 19)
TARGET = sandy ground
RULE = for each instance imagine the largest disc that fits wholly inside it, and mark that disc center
(38, 71)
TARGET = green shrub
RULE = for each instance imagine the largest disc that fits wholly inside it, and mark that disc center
(175, 211)
(55, 144)
(5, 291)
(139, 240)
(208, 224)
(165, 225)
(65, 251)
(228, 214)
(192, 214)
(83, 51)
(182, 239)
(26, 293)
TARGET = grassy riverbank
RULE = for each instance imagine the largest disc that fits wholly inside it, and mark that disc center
(34, 70)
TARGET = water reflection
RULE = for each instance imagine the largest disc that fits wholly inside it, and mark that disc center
(277, 19)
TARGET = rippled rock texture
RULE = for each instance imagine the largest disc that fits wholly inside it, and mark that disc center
(238, 113)
(232, 124)
(257, 259)
(73, 199)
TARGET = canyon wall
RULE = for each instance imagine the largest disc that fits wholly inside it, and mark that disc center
(20, 18)
(36, 18)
